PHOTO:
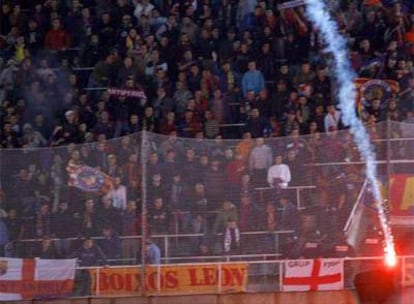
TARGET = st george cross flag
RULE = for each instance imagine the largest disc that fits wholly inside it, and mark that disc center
(318, 274)
(35, 278)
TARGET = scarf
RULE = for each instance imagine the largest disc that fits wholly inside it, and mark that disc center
(228, 238)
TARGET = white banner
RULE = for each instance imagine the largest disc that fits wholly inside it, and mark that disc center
(35, 278)
(312, 275)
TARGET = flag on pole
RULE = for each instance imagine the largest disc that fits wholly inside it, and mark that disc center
(35, 278)
(312, 275)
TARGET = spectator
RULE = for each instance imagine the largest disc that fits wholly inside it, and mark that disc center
(177, 195)
(88, 219)
(131, 225)
(152, 253)
(248, 214)
(245, 146)
(226, 212)
(332, 118)
(260, 160)
(278, 175)
(15, 225)
(253, 79)
(158, 216)
(43, 224)
(89, 254)
(46, 249)
(107, 214)
(231, 238)
(62, 223)
(118, 195)
(57, 39)
(111, 244)
(214, 181)
(4, 237)
(289, 217)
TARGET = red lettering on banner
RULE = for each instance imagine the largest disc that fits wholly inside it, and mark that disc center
(171, 280)
(127, 282)
(315, 279)
(117, 281)
(151, 280)
(210, 276)
(237, 276)
(103, 281)
(193, 277)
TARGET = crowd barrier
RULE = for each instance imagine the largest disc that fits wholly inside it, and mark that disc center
(243, 276)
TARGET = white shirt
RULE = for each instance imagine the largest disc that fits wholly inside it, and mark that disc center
(119, 197)
(280, 171)
(332, 120)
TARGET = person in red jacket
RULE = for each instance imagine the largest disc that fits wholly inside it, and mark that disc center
(57, 39)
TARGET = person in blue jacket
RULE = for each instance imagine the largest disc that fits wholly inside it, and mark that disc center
(253, 79)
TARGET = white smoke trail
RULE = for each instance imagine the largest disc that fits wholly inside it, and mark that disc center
(317, 12)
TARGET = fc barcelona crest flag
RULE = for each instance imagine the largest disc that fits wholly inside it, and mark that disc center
(370, 89)
(88, 179)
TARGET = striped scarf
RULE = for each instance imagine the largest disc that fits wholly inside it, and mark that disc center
(228, 238)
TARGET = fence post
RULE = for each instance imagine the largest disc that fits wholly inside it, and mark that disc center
(166, 253)
(97, 279)
(158, 278)
(280, 275)
(219, 278)
(143, 209)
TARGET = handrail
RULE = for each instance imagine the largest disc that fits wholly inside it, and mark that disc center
(163, 235)
(360, 258)
(345, 163)
(288, 188)
(297, 191)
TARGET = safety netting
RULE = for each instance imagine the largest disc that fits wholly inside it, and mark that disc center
(198, 199)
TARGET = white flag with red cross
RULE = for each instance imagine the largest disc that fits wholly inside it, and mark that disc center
(35, 278)
(311, 275)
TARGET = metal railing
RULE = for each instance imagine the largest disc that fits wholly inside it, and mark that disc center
(165, 241)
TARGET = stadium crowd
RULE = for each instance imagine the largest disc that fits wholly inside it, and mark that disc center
(97, 72)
